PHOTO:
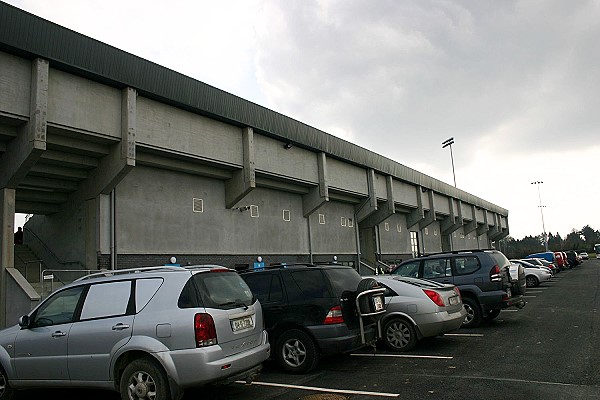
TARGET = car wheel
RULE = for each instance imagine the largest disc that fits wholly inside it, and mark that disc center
(144, 379)
(474, 314)
(6, 392)
(532, 281)
(296, 352)
(492, 314)
(399, 335)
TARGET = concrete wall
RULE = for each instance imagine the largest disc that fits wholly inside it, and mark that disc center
(165, 127)
(155, 214)
(431, 238)
(15, 84)
(394, 237)
(332, 229)
(83, 104)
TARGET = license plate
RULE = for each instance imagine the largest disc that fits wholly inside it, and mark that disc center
(378, 301)
(453, 300)
(242, 323)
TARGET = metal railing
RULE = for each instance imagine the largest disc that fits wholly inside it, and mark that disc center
(59, 278)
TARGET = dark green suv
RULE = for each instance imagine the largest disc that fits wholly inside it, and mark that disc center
(312, 311)
(487, 281)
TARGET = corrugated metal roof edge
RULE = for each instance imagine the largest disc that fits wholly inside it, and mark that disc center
(25, 34)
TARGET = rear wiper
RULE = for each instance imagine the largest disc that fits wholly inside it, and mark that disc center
(238, 303)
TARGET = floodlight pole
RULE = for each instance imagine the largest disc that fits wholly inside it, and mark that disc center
(450, 142)
(538, 183)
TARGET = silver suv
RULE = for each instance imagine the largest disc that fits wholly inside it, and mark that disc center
(148, 333)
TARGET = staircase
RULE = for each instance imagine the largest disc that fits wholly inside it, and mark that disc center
(28, 263)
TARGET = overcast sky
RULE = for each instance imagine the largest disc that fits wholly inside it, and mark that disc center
(516, 83)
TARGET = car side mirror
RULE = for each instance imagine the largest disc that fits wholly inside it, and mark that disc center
(24, 321)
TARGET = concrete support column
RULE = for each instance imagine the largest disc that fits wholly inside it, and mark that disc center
(244, 180)
(7, 248)
(319, 194)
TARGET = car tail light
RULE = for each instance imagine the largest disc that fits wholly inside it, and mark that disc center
(495, 275)
(457, 290)
(204, 330)
(435, 297)
(334, 316)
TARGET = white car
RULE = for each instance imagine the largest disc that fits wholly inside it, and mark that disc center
(534, 274)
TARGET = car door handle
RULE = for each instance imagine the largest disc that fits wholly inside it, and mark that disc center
(59, 334)
(120, 327)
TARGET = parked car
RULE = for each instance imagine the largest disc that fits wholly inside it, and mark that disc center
(584, 255)
(572, 257)
(534, 274)
(546, 255)
(561, 260)
(482, 276)
(418, 308)
(543, 263)
(311, 311)
(147, 333)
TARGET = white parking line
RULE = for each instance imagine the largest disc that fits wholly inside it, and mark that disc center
(464, 334)
(510, 310)
(530, 297)
(318, 389)
(401, 356)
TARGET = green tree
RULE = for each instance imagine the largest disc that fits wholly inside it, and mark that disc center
(555, 242)
(574, 240)
(590, 236)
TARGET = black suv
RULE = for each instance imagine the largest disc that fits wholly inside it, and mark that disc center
(488, 282)
(312, 311)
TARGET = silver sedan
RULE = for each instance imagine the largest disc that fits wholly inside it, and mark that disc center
(418, 308)
(534, 274)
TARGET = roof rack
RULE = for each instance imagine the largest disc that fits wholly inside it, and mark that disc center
(114, 272)
(456, 252)
(278, 265)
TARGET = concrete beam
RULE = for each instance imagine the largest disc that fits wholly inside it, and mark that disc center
(471, 226)
(319, 194)
(23, 152)
(454, 221)
(369, 205)
(429, 215)
(417, 214)
(7, 248)
(120, 159)
(382, 213)
(244, 180)
(485, 228)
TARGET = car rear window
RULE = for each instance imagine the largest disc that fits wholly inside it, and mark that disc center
(311, 283)
(499, 259)
(223, 290)
(343, 279)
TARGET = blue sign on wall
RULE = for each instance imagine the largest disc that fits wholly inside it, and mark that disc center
(259, 265)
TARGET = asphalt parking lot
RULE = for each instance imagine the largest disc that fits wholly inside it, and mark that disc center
(548, 350)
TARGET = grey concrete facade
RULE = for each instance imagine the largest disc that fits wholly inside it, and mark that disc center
(117, 177)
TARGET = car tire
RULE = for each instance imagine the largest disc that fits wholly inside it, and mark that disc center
(296, 352)
(399, 335)
(474, 314)
(6, 392)
(492, 314)
(532, 281)
(144, 379)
